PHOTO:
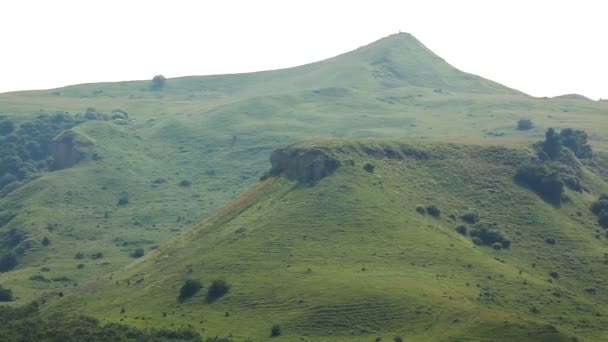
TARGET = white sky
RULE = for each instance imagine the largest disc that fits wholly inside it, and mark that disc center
(544, 48)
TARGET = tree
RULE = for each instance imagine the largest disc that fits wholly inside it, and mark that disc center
(603, 218)
(8, 262)
(6, 295)
(217, 289)
(158, 82)
(189, 289)
(524, 124)
(544, 181)
(552, 145)
(576, 141)
(275, 331)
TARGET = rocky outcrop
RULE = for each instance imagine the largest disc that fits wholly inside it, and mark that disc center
(69, 148)
(306, 165)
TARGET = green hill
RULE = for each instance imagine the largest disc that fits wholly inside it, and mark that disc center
(345, 251)
(140, 166)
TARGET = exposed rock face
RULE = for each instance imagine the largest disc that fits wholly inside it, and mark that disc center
(304, 165)
(65, 155)
(68, 149)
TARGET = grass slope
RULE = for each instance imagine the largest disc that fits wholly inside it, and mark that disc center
(350, 259)
(218, 132)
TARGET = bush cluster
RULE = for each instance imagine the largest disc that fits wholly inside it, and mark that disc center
(486, 234)
(26, 150)
(25, 323)
(542, 180)
(600, 208)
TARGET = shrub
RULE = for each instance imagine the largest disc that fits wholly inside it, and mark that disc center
(497, 246)
(470, 217)
(124, 200)
(6, 295)
(369, 167)
(138, 253)
(524, 124)
(158, 82)
(598, 206)
(603, 197)
(550, 241)
(603, 219)
(554, 275)
(46, 241)
(420, 209)
(39, 277)
(185, 183)
(218, 289)
(8, 262)
(159, 181)
(506, 243)
(120, 111)
(79, 255)
(6, 127)
(275, 331)
(433, 210)
(398, 339)
(189, 289)
(97, 255)
(477, 241)
(118, 116)
(462, 229)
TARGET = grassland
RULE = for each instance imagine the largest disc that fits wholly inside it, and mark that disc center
(218, 132)
(350, 258)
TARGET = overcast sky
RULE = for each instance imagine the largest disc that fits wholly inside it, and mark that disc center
(544, 48)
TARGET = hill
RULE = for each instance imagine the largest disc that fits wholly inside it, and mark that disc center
(353, 240)
(139, 166)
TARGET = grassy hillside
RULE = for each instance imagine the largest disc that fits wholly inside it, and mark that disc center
(345, 253)
(217, 133)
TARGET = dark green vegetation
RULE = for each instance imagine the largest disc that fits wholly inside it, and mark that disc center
(116, 182)
(6, 295)
(189, 289)
(557, 165)
(348, 257)
(28, 324)
(600, 208)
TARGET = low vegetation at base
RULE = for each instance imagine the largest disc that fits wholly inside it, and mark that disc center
(27, 324)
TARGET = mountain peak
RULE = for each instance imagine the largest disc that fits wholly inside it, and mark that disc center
(401, 60)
